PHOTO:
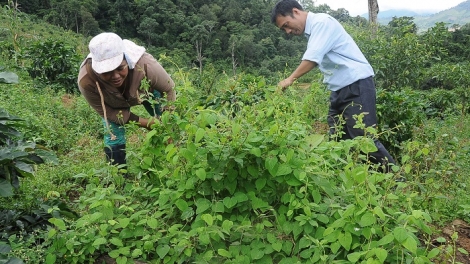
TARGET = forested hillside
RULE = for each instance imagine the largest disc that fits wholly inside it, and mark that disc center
(454, 17)
(232, 33)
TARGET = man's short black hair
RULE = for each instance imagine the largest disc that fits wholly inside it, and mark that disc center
(284, 8)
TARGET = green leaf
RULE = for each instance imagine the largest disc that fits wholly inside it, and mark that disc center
(304, 242)
(271, 164)
(410, 244)
(257, 253)
(354, 257)
(346, 240)
(199, 135)
(124, 222)
(433, 253)
(230, 202)
(277, 246)
(224, 253)
(208, 255)
(6, 189)
(260, 183)
(283, 170)
(218, 207)
(256, 152)
(152, 223)
(59, 223)
(208, 219)
(335, 247)
(201, 174)
(148, 245)
(116, 241)
(121, 260)
(367, 219)
(50, 259)
(400, 234)
(314, 140)
(99, 241)
(236, 129)
(359, 174)
(202, 205)
(381, 254)
(378, 211)
(181, 204)
(386, 240)
(204, 238)
(241, 197)
(162, 250)
(292, 181)
(227, 225)
(114, 253)
(136, 253)
(287, 247)
(24, 169)
(368, 146)
(13, 260)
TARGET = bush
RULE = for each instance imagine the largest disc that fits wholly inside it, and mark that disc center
(53, 62)
(17, 157)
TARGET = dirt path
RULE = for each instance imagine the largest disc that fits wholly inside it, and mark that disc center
(462, 229)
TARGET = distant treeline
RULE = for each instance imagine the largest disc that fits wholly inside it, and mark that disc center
(234, 33)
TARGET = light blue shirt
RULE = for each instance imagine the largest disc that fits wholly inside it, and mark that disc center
(333, 49)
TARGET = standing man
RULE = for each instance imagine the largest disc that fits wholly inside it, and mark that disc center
(111, 79)
(347, 73)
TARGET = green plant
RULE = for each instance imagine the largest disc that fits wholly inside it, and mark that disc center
(5, 250)
(53, 62)
(17, 157)
(246, 189)
(399, 113)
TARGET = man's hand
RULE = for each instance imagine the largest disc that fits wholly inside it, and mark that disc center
(285, 83)
(304, 67)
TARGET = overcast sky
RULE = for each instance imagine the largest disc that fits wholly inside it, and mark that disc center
(359, 7)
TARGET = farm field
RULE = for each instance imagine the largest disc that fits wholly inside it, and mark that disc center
(239, 172)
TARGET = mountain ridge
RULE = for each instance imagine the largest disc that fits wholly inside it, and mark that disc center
(457, 15)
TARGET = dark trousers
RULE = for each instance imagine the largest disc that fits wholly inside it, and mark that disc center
(354, 99)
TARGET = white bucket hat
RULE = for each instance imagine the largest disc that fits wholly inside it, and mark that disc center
(107, 52)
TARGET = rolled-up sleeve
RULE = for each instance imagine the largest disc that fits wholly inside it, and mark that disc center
(323, 36)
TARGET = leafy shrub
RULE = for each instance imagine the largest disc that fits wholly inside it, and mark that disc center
(17, 157)
(53, 62)
(244, 91)
(399, 112)
(447, 76)
(257, 187)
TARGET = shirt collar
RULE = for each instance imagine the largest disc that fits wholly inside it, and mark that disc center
(308, 22)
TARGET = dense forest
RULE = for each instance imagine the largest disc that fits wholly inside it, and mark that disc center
(231, 33)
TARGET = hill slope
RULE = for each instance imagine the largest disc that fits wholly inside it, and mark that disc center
(459, 14)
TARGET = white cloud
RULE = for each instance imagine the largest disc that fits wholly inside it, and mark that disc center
(359, 7)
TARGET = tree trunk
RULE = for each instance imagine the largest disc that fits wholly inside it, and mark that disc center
(234, 60)
(373, 12)
(199, 56)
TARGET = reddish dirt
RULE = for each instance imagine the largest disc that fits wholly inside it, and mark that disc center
(462, 242)
(68, 101)
(320, 128)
